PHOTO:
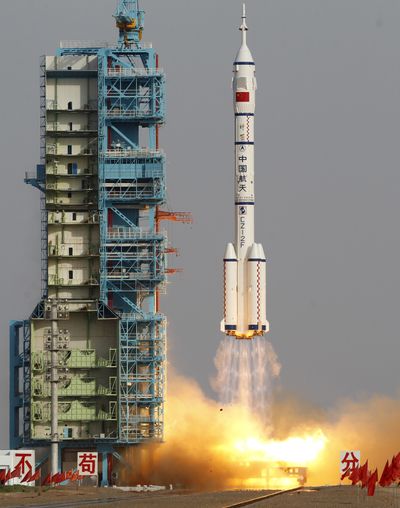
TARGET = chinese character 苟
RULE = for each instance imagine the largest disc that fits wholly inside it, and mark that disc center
(88, 463)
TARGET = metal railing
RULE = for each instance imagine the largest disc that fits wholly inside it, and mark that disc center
(85, 249)
(116, 113)
(128, 316)
(55, 171)
(128, 275)
(131, 233)
(96, 44)
(137, 194)
(53, 280)
(62, 187)
(121, 172)
(133, 154)
(83, 220)
(59, 127)
(55, 150)
(122, 255)
(133, 72)
(52, 104)
(30, 175)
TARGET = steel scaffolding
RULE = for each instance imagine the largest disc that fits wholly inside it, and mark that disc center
(132, 258)
(99, 219)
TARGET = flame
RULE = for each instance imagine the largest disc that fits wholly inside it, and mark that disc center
(270, 463)
(301, 451)
(209, 447)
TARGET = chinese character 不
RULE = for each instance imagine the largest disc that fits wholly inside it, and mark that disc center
(23, 462)
(88, 463)
(349, 461)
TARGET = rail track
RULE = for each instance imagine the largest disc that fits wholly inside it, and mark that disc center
(71, 503)
(255, 500)
(83, 502)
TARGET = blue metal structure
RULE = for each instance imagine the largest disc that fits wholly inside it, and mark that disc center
(123, 202)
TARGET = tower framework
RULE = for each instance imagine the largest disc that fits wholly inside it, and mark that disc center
(87, 367)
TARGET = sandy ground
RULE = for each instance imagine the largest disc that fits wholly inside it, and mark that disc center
(326, 497)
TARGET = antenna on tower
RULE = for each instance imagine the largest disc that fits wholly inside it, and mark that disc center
(129, 20)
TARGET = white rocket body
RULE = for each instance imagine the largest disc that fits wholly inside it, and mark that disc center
(244, 262)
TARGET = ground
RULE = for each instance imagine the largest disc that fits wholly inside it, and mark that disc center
(325, 497)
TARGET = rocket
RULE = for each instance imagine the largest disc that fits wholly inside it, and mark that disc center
(244, 262)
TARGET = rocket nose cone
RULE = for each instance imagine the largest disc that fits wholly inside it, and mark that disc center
(261, 251)
(254, 253)
(230, 252)
(244, 55)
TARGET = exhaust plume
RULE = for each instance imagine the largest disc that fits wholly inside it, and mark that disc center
(245, 373)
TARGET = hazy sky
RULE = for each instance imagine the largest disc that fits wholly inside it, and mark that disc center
(327, 176)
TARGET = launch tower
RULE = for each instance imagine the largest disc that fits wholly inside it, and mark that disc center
(87, 367)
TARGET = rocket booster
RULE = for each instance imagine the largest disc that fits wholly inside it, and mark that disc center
(244, 261)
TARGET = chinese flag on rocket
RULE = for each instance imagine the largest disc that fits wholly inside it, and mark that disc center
(242, 96)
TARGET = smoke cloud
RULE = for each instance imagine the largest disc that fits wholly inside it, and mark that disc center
(201, 435)
(197, 430)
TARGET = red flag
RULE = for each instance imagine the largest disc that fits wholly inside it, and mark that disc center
(355, 475)
(69, 475)
(2, 475)
(8, 476)
(345, 474)
(46, 481)
(56, 478)
(59, 478)
(364, 475)
(26, 478)
(75, 477)
(242, 96)
(392, 470)
(16, 473)
(372, 483)
(389, 475)
(36, 476)
(396, 467)
(383, 479)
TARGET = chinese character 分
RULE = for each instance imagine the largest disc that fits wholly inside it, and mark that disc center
(350, 462)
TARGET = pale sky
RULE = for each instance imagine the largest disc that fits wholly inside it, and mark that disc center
(327, 176)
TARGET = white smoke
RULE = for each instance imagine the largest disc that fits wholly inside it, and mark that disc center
(245, 373)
